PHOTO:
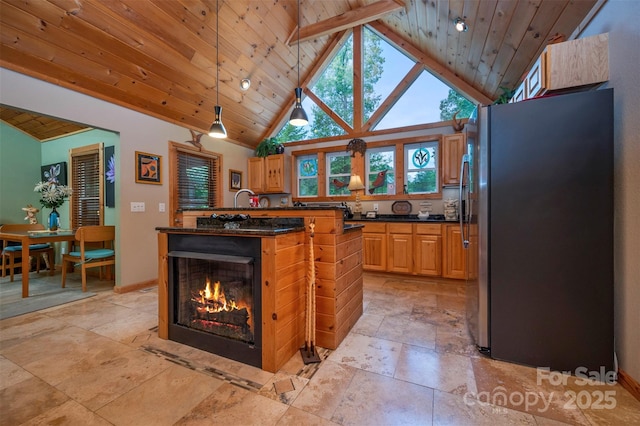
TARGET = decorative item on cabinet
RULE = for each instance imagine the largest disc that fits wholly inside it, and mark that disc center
(269, 146)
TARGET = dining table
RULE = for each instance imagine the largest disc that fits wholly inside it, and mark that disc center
(26, 238)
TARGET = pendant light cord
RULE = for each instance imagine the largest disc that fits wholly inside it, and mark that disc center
(218, 53)
(298, 43)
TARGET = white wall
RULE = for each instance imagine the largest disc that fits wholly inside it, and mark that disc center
(136, 260)
(620, 19)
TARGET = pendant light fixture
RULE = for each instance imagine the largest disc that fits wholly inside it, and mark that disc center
(217, 129)
(298, 116)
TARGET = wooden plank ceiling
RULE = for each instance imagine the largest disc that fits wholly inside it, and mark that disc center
(159, 56)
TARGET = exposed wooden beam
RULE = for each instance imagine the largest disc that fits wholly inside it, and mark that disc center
(346, 20)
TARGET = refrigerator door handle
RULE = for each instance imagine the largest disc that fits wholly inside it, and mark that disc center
(463, 166)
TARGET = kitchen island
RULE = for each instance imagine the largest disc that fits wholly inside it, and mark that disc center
(284, 273)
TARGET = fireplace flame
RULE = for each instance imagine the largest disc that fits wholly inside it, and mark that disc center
(215, 301)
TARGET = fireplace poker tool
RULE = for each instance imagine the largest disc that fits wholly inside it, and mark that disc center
(309, 352)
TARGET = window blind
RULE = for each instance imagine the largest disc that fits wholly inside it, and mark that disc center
(85, 181)
(197, 180)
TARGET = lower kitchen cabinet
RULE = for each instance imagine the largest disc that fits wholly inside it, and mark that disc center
(400, 245)
(407, 248)
(374, 247)
(454, 256)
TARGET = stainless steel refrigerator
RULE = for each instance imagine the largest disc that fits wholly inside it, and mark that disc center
(537, 223)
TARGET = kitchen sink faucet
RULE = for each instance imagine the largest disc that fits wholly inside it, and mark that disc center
(235, 198)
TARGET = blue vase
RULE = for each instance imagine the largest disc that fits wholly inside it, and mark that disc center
(54, 220)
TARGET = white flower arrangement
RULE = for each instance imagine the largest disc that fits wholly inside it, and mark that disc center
(52, 195)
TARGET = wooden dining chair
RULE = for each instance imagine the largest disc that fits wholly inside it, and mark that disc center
(94, 247)
(12, 254)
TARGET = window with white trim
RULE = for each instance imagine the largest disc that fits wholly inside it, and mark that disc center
(421, 168)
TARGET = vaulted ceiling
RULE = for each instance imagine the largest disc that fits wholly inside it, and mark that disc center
(159, 56)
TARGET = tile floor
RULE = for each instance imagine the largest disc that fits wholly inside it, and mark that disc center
(408, 360)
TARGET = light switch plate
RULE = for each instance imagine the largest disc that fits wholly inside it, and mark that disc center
(137, 206)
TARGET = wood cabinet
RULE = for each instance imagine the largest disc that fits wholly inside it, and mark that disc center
(453, 148)
(406, 248)
(267, 175)
(453, 253)
(400, 248)
(583, 62)
(255, 174)
(374, 247)
(427, 253)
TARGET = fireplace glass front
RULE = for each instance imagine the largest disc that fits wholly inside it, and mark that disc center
(216, 303)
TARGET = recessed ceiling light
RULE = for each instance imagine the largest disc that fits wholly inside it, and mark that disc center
(245, 83)
(460, 25)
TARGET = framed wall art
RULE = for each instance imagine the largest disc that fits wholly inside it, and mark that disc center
(235, 180)
(148, 168)
(56, 173)
(109, 176)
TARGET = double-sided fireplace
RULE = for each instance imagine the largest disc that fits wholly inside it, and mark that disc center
(215, 295)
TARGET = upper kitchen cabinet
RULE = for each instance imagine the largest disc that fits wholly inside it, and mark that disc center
(580, 63)
(267, 175)
(453, 147)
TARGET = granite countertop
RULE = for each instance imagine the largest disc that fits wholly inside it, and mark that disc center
(434, 218)
(242, 224)
(241, 231)
(222, 209)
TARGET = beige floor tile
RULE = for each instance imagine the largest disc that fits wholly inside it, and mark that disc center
(452, 302)
(603, 403)
(387, 307)
(91, 313)
(368, 324)
(450, 409)
(104, 353)
(232, 405)
(161, 400)
(372, 399)
(296, 417)
(135, 322)
(452, 320)
(368, 353)
(112, 378)
(56, 343)
(325, 390)
(518, 387)
(297, 383)
(64, 361)
(11, 373)
(27, 399)
(455, 341)
(404, 329)
(24, 327)
(446, 372)
(68, 414)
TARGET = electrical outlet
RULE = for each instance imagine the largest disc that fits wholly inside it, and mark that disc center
(161, 207)
(375, 207)
(137, 207)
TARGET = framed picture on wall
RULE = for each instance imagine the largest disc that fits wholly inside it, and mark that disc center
(235, 180)
(148, 168)
(110, 176)
(56, 172)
